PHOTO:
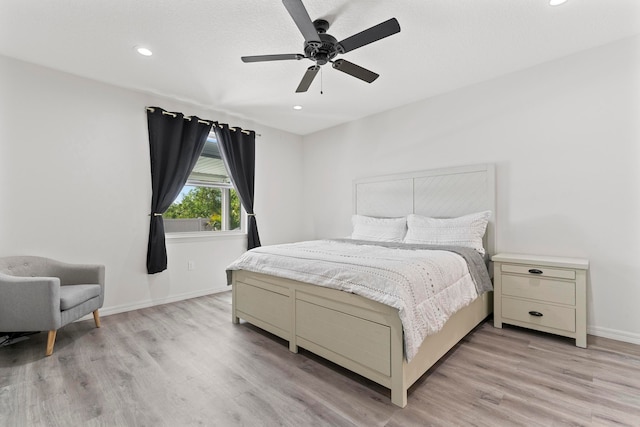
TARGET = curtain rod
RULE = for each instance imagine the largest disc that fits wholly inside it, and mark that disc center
(203, 121)
(241, 130)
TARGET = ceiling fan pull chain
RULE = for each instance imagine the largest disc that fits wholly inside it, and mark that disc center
(321, 82)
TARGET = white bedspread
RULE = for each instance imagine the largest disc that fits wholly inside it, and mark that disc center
(426, 286)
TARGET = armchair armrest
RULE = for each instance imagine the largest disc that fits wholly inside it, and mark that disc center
(76, 274)
(29, 303)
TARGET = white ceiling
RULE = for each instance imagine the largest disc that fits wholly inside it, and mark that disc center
(197, 44)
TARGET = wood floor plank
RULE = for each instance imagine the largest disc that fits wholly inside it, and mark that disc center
(185, 363)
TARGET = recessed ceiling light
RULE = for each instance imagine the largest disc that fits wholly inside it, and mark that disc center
(143, 51)
(297, 107)
(556, 2)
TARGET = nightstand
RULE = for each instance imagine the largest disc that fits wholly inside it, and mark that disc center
(544, 293)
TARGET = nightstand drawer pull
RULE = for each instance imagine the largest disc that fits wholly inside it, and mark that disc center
(535, 271)
(535, 313)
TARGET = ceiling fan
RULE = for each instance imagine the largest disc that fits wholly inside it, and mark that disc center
(321, 47)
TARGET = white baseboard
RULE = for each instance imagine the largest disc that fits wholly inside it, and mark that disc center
(614, 334)
(106, 311)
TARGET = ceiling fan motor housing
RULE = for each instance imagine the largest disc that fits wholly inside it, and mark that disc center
(327, 50)
(323, 53)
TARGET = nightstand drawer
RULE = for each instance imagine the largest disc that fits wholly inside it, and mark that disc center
(538, 288)
(539, 271)
(548, 315)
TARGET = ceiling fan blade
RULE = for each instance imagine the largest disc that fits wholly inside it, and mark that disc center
(260, 58)
(301, 17)
(308, 78)
(355, 70)
(375, 33)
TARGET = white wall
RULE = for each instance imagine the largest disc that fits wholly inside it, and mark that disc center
(75, 185)
(565, 140)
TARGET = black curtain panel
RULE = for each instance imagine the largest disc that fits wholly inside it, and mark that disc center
(238, 149)
(175, 143)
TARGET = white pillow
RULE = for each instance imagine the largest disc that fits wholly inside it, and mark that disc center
(378, 229)
(466, 231)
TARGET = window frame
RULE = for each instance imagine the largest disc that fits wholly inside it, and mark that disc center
(224, 214)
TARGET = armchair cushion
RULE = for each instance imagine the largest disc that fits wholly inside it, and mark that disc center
(73, 295)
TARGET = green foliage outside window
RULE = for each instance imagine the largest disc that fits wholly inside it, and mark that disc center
(206, 202)
(234, 211)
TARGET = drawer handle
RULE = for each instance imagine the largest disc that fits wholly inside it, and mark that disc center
(535, 313)
(535, 271)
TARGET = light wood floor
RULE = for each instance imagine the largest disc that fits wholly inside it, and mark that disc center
(185, 364)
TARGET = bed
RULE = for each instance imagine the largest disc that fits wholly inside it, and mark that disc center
(357, 333)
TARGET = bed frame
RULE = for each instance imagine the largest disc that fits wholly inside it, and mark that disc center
(359, 334)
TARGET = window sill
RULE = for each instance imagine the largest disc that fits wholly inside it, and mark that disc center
(203, 236)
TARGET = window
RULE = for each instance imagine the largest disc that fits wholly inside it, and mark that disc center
(208, 201)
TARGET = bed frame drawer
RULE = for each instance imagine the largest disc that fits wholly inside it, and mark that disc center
(357, 339)
(271, 309)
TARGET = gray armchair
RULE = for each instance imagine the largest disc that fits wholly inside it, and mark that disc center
(41, 294)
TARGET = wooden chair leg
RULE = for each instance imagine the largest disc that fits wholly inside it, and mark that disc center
(51, 340)
(96, 317)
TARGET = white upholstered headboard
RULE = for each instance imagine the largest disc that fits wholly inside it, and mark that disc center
(437, 193)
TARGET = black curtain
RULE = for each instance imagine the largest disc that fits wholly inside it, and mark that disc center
(238, 149)
(175, 143)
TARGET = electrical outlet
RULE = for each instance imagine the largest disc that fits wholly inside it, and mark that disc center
(191, 265)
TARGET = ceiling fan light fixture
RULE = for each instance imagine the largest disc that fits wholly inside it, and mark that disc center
(143, 51)
(297, 107)
(556, 2)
